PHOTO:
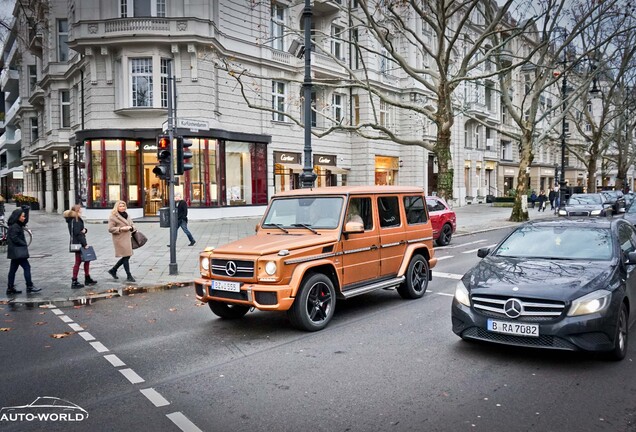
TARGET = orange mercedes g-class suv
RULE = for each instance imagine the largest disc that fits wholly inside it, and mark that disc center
(314, 246)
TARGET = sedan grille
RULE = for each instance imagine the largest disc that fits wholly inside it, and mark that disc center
(523, 309)
(544, 341)
(233, 268)
(579, 213)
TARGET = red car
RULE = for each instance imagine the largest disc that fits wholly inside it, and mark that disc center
(443, 220)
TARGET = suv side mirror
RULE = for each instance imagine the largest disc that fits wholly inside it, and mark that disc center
(353, 227)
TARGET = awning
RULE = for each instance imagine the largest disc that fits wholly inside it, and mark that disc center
(334, 169)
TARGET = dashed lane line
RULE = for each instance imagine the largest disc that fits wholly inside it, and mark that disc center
(154, 397)
(178, 418)
(447, 275)
(444, 257)
(182, 422)
(461, 245)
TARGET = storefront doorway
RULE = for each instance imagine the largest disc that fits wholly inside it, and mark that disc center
(155, 190)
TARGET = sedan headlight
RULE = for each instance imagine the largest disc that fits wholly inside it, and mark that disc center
(590, 303)
(595, 212)
(461, 294)
(270, 268)
(563, 213)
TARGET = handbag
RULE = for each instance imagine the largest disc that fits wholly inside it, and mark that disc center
(138, 239)
(73, 247)
(88, 254)
(20, 252)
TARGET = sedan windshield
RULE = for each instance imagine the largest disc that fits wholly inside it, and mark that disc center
(585, 199)
(558, 242)
(304, 213)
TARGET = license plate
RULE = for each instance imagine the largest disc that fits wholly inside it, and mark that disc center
(226, 286)
(511, 328)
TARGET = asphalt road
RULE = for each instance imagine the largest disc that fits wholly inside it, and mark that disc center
(383, 364)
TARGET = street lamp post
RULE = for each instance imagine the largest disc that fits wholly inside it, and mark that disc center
(563, 123)
(308, 175)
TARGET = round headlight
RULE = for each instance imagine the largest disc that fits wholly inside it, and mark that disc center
(270, 268)
(205, 264)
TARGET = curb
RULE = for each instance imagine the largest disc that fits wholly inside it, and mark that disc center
(90, 298)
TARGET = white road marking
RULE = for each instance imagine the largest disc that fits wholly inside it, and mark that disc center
(446, 294)
(463, 244)
(447, 275)
(154, 397)
(131, 376)
(114, 360)
(475, 250)
(76, 327)
(66, 319)
(444, 257)
(182, 422)
(87, 336)
(99, 347)
(57, 312)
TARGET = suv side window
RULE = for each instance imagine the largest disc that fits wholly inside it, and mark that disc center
(360, 211)
(414, 208)
(389, 211)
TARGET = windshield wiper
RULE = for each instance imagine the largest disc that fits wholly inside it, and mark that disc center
(279, 226)
(306, 226)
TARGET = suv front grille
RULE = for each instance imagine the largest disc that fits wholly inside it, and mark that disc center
(233, 268)
(579, 213)
(532, 309)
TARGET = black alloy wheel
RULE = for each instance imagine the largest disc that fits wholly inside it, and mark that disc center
(416, 281)
(621, 337)
(315, 303)
(445, 235)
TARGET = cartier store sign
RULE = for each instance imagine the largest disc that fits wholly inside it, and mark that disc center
(286, 158)
(329, 160)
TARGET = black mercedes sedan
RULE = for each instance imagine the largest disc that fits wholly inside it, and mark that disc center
(592, 204)
(565, 284)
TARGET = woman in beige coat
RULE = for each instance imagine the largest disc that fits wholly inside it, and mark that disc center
(121, 226)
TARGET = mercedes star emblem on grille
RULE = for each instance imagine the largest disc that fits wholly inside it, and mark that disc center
(230, 268)
(513, 308)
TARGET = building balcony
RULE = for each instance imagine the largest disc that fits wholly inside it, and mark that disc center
(506, 57)
(477, 109)
(10, 114)
(9, 80)
(35, 43)
(11, 140)
(325, 7)
(146, 29)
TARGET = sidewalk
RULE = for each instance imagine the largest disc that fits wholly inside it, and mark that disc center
(51, 263)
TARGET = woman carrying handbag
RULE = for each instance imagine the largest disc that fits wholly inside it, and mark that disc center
(121, 226)
(78, 236)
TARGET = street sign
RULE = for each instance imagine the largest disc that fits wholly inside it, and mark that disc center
(193, 124)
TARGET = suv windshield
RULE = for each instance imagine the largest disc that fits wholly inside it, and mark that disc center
(303, 212)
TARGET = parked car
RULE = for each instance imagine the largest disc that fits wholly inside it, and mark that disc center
(565, 284)
(629, 199)
(616, 198)
(443, 219)
(313, 246)
(630, 215)
(592, 204)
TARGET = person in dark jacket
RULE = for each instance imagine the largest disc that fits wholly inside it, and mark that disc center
(77, 232)
(18, 252)
(182, 218)
(552, 197)
(542, 199)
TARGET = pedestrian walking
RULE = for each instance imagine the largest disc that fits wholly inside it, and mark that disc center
(18, 252)
(551, 197)
(182, 218)
(121, 226)
(533, 198)
(542, 199)
(78, 232)
(1, 207)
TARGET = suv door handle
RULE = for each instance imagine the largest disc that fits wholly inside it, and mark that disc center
(374, 247)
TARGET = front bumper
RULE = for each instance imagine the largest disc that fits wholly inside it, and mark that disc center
(594, 332)
(260, 296)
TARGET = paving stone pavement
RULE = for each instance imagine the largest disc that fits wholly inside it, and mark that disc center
(51, 263)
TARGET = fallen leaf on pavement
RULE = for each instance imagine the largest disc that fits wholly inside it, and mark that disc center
(172, 309)
(41, 323)
(152, 320)
(61, 335)
(5, 328)
(199, 304)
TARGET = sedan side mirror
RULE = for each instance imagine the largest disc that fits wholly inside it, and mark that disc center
(631, 258)
(483, 252)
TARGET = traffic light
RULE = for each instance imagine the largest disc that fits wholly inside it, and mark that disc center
(164, 150)
(183, 155)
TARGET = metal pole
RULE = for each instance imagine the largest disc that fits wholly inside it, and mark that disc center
(308, 176)
(563, 122)
(173, 267)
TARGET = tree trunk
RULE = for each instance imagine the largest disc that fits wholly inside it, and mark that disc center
(520, 208)
(445, 170)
